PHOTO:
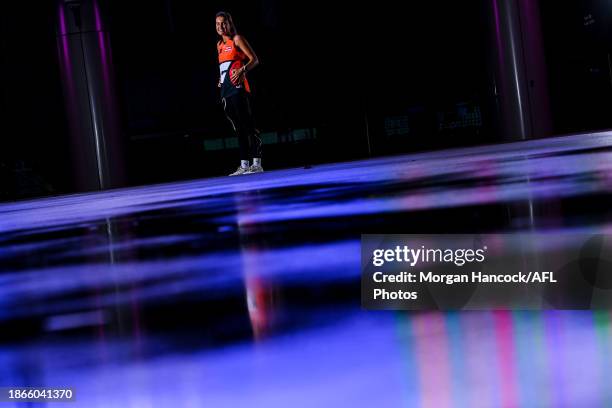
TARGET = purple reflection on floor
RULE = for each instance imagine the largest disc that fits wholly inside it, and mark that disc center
(245, 291)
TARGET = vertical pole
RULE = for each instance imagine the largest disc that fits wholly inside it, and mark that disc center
(89, 94)
(520, 70)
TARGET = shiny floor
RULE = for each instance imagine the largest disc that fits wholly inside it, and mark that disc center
(244, 291)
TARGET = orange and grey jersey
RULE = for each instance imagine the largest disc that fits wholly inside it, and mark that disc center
(231, 58)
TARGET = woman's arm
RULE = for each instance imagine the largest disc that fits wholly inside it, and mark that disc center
(244, 45)
(219, 81)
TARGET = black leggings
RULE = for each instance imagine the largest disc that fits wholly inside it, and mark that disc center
(238, 111)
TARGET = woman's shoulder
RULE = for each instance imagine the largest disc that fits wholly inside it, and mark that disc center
(238, 38)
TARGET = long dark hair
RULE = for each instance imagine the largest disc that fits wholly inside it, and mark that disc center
(228, 18)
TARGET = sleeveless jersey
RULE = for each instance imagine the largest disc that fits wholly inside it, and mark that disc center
(231, 58)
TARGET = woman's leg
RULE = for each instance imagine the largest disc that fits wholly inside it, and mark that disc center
(255, 142)
(247, 123)
(238, 109)
(235, 112)
(248, 128)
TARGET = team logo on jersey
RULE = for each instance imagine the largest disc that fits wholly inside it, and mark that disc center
(224, 67)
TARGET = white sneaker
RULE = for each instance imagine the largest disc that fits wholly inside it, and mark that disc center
(255, 169)
(241, 170)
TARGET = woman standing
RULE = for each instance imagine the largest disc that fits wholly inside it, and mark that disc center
(236, 58)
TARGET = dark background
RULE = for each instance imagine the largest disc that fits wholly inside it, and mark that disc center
(336, 82)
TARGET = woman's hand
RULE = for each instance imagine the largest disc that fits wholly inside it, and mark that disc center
(237, 76)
